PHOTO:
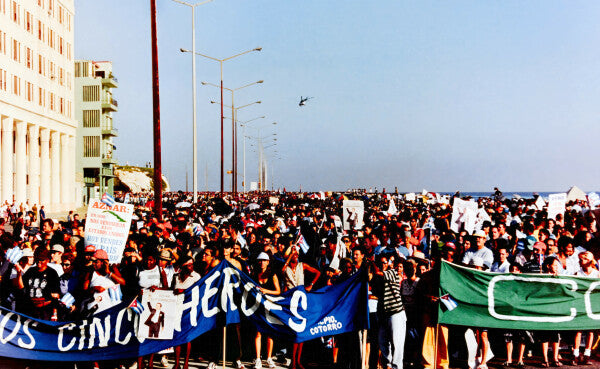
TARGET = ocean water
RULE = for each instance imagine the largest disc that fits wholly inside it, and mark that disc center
(509, 195)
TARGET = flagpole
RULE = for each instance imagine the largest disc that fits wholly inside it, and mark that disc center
(364, 349)
(435, 346)
(224, 344)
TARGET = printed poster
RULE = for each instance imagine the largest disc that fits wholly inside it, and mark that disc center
(160, 316)
(556, 204)
(352, 214)
(107, 227)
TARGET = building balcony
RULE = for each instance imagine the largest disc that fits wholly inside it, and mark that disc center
(110, 131)
(108, 159)
(111, 82)
(110, 104)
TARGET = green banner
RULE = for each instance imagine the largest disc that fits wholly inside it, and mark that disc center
(518, 301)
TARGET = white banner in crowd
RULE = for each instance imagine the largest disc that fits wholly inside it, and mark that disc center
(253, 186)
(540, 203)
(107, 227)
(556, 204)
(593, 200)
(352, 214)
(463, 213)
(410, 196)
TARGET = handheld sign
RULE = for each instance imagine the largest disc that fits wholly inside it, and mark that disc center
(107, 227)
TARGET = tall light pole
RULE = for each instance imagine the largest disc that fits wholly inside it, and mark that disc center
(243, 125)
(234, 130)
(194, 131)
(221, 61)
(156, 115)
(260, 147)
(234, 114)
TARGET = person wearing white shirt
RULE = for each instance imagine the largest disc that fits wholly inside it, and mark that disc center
(479, 251)
(502, 265)
(586, 262)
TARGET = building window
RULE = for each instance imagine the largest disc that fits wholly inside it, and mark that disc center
(51, 8)
(3, 6)
(50, 37)
(52, 74)
(91, 146)
(29, 91)
(69, 55)
(16, 52)
(29, 56)
(61, 76)
(15, 9)
(29, 22)
(16, 85)
(91, 93)
(61, 104)
(91, 118)
(52, 101)
(40, 30)
(41, 97)
(69, 80)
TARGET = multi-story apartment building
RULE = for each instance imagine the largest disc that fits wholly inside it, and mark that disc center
(37, 144)
(94, 105)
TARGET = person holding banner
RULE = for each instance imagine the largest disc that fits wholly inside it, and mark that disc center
(186, 278)
(551, 266)
(269, 285)
(293, 271)
(587, 262)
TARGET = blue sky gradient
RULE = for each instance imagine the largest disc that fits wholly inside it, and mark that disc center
(462, 95)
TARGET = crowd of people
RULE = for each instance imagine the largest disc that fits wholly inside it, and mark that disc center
(259, 234)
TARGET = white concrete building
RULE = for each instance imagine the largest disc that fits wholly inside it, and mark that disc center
(37, 144)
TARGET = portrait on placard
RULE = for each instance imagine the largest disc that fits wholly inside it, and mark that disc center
(160, 315)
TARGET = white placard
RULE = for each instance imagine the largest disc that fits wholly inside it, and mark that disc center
(107, 227)
(352, 214)
(463, 212)
(160, 315)
(410, 196)
(556, 204)
(253, 186)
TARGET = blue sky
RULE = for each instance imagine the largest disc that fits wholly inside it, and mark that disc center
(462, 95)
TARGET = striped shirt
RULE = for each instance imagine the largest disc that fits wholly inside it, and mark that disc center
(392, 296)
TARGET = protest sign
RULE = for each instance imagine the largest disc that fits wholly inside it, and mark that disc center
(273, 200)
(410, 196)
(556, 204)
(540, 203)
(220, 297)
(159, 317)
(464, 214)
(107, 227)
(253, 186)
(519, 301)
(352, 214)
(593, 200)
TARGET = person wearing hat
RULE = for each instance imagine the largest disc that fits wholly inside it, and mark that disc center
(56, 258)
(269, 285)
(479, 250)
(165, 260)
(102, 277)
(12, 295)
(41, 287)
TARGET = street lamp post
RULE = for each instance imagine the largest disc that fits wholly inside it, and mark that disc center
(234, 111)
(243, 125)
(260, 147)
(233, 130)
(194, 127)
(221, 61)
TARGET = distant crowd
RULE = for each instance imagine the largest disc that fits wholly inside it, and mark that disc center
(399, 244)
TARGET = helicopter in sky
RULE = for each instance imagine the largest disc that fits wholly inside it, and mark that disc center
(303, 100)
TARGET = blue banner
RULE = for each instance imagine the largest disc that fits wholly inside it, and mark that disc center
(224, 296)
